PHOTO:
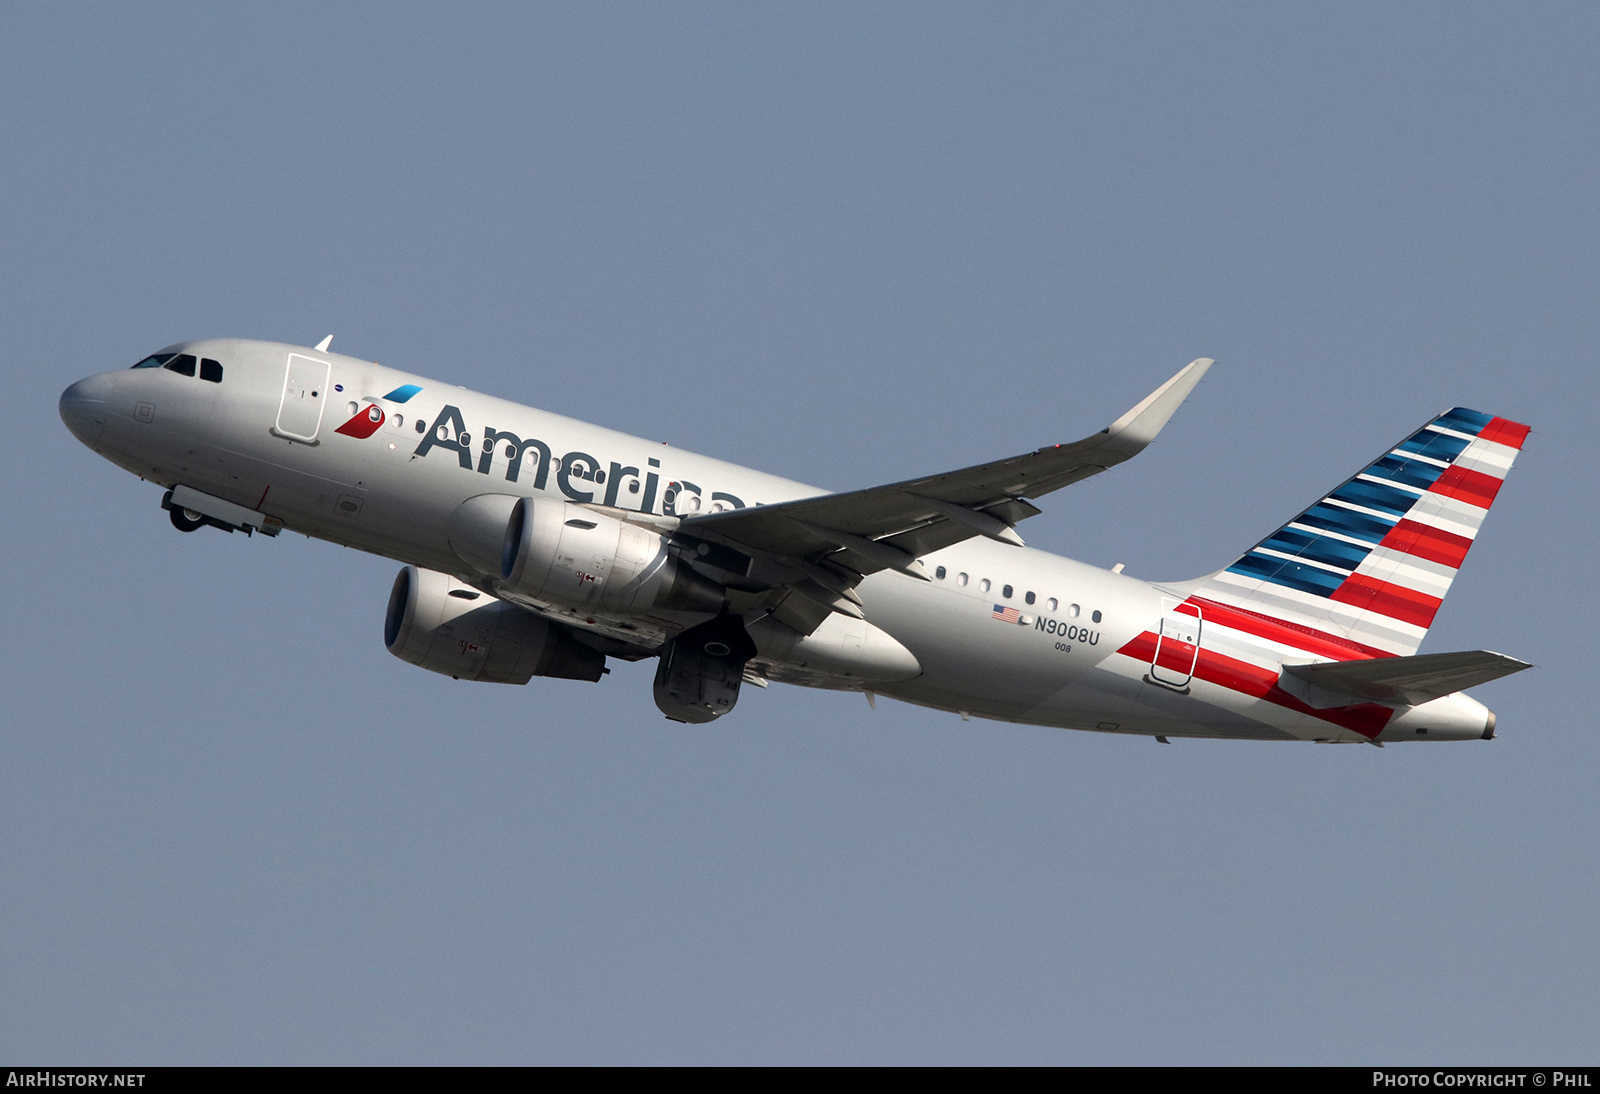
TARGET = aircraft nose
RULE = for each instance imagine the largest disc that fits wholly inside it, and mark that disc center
(84, 407)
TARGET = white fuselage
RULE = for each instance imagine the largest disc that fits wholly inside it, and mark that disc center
(396, 491)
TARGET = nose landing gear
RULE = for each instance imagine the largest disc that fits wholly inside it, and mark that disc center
(189, 509)
(187, 520)
(190, 520)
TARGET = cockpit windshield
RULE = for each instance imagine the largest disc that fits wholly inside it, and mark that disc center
(184, 364)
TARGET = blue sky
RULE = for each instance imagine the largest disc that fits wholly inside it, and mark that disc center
(846, 244)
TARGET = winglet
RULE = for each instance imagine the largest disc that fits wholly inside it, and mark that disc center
(1139, 426)
(322, 346)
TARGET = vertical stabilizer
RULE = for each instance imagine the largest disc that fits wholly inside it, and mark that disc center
(1371, 562)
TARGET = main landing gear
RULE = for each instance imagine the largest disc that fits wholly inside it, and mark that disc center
(700, 671)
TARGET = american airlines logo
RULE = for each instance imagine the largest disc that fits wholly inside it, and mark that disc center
(365, 422)
(574, 472)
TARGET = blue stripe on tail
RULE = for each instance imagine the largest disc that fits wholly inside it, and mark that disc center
(1380, 490)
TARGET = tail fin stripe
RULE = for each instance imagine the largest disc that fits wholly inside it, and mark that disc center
(1293, 574)
(1371, 495)
(1328, 534)
(1426, 541)
(1468, 421)
(1317, 548)
(1345, 522)
(1294, 635)
(1363, 626)
(1407, 472)
(1491, 459)
(1452, 514)
(1342, 571)
(1473, 487)
(1417, 457)
(1508, 433)
(1394, 601)
(1317, 612)
(1390, 481)
(1411, 571)
(1435, 445)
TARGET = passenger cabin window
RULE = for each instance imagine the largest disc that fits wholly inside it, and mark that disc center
(211, 370)
(939, 573)
(1095, 617)
(183, 364)
(1053, 603)
(1006, 592)
(1072, 610)
(155, 360)
(984, 584)
(961, 579)
(1027, 598)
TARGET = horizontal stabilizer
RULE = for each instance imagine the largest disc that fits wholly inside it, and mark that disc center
(1408, 680)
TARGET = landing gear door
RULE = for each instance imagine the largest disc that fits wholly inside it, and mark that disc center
(305, 393)
(1177, 644)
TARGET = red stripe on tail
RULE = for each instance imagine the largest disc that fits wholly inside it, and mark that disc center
(1295, 635)
(1425, 541)
(1506, 432)
(1472, 487)
(1394, 601)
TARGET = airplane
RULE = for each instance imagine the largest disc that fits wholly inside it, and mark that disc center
(536, 545)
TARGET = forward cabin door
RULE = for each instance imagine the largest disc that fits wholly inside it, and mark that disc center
(305, 393)
(1177, 644)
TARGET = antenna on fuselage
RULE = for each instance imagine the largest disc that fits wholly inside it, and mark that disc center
(322, 346)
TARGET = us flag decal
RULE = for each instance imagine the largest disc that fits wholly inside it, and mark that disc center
(1006, 615)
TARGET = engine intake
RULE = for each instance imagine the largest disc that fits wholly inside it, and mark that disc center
(440, 624)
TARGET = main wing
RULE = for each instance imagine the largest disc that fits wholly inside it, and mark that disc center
(819, 548)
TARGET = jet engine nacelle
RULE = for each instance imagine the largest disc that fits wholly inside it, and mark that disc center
(444, 626)
(563, 554)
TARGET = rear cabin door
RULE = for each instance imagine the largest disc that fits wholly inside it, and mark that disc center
(305, 393)
(1177, 644)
